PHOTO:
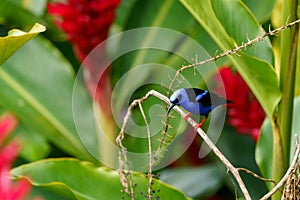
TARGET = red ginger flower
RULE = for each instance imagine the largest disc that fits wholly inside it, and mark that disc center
(8, 153)
(86, 23)
(245, 114)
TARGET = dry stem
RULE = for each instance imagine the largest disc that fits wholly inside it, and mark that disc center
(231, 51)
(150, 151)
(288, 172)
(256, 176)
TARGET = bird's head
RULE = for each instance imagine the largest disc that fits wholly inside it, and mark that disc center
(176, 99)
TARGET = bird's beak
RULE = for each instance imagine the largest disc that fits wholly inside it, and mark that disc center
(170, 108)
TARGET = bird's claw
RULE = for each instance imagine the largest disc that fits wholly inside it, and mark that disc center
(187, 116)
(198, 126)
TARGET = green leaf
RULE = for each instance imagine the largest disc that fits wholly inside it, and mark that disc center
(224, 21)
(264, 151)
(14, 14)
(15, 39)
(43, 192)
(231, 15)
(35, 146)
(261, 9)
(82, 180)
(187, 179)
(36, 85)
(264, 146)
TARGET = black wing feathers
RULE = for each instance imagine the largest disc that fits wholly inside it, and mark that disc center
(206, 97)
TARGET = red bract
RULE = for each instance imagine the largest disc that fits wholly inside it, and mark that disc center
(245, 114)
(86, 23)
(8, 153)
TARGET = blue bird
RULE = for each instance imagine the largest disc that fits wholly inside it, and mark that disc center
(196, 101)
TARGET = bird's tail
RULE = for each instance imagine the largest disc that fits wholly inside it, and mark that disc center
(229, 102)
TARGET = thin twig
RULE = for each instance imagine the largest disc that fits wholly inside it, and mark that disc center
(232, 51)
(125, 178)
(285, 177)
(256, 176)
(149, 150)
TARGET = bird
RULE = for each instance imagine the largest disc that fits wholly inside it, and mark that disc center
(196, 101)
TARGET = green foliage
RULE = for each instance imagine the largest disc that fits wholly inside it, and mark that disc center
(262, 10)
(73, 179)
(31, 95)
(35, 147)
(264, 146)
(15, 39)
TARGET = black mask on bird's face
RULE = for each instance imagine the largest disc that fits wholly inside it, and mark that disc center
(174, 100)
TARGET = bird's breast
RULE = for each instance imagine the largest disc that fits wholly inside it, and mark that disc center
(191, 107)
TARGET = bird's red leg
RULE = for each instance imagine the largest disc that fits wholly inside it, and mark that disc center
(200, 124)
(187, 116)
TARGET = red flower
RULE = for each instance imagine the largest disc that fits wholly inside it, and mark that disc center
(8, 153)
(86, 23)
(245, 114)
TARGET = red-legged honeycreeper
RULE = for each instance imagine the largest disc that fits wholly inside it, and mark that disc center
(196, 101)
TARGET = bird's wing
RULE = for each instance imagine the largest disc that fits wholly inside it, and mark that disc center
(209, 98)
(193, 94)
(204, 98)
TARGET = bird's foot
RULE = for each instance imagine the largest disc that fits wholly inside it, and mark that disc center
(197, 126)
(200, 124)
(187, 116)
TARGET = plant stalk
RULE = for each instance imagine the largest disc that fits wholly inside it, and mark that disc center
(283, 126)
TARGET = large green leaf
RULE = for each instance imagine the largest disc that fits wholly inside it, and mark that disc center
(261, 9)
(15, 39)
(224, 20)
(264, 146)
(82, 180)
(35, 146)
(36, 84)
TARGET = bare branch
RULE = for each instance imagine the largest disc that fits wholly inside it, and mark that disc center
(256, 176)
(150, 152)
